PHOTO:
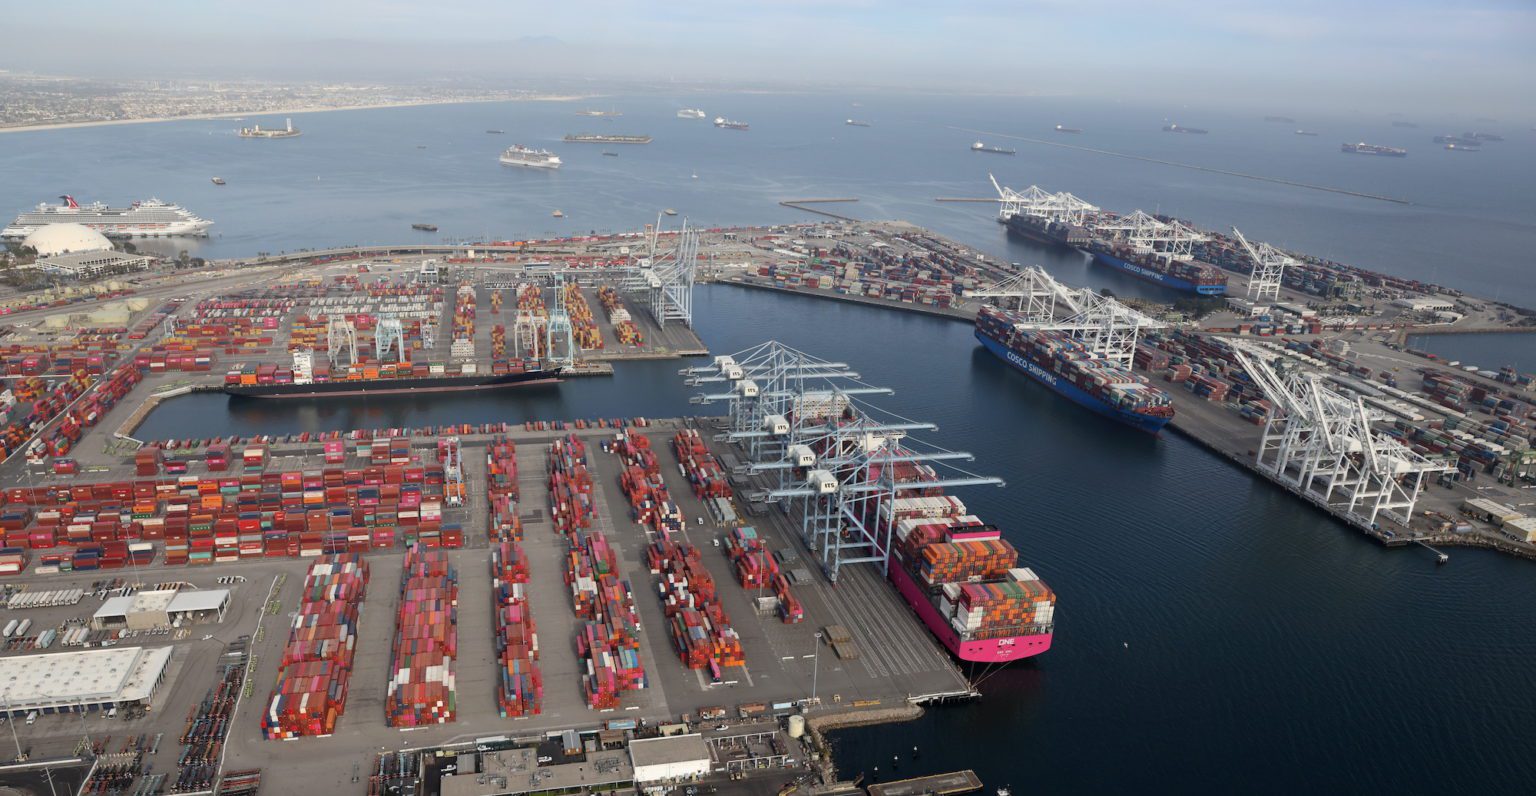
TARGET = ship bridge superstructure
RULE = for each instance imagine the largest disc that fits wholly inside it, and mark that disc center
(1324, 445)
(829, 459)
(1042, 204)
(1105, 326)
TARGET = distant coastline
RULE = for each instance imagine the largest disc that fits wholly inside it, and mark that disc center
(281, 111)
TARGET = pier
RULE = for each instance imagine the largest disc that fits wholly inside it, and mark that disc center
(936, 784)
(800, 204)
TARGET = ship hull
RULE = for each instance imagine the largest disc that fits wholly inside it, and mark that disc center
(189, 229)
(1029, 231)
(992, 650)
(338, 389)
(1158, 277)
(1151, 424)
(527, 165)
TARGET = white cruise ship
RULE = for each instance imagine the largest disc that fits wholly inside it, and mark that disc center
(519, 155)
(691, 113)
(150, 218)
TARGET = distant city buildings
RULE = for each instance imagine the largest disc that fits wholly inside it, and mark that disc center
(30, 100)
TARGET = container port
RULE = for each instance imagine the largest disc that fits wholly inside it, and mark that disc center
(751, 634)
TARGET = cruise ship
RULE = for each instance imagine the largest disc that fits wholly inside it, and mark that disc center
(691, 113)
(519, 155)
(150, 218)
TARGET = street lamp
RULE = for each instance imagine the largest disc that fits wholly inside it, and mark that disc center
(815, 667)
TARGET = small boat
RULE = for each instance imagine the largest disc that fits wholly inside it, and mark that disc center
(669, 211)
(610, 154)
(425, 227)
(695, 175)
(558, 214)
(218, 180)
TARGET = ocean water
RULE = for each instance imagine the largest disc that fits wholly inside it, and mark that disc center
(1214, 635)
(360, 176)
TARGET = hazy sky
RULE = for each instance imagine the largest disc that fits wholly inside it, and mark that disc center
(1474, 56)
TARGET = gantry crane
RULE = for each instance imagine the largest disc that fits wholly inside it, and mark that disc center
(1105, 326)
(1269, 266)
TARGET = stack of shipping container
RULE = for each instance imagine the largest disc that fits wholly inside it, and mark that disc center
(520, 684)
(609, 637)
(313, 676)
(700, 629)
(422, 680)
(650, 503)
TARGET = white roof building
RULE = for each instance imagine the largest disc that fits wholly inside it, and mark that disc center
(81, 680)
(52, 239)
(90, 264)
(158, 608)
(673, 759)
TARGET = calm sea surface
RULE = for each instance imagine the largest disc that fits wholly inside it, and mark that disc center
(1214, 635)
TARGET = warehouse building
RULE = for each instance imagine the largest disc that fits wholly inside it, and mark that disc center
(679, 758)
(85, 680)
(160, 608)
(525, 772)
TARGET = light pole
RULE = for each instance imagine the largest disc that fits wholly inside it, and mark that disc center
(11, 721)
(815, 667)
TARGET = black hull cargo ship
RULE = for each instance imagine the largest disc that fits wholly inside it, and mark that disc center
(345, 387)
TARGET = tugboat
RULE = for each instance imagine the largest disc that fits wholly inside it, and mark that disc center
(218, 180)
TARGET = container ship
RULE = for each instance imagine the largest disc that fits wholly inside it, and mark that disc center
(598, 138)
(599, 113)
(309, 380)
(1363, 148)
(147, 219)
(1067, 367)
(1305, 132)
(1174, 128)
(1061, 128)
(962, 578)
(856, 123)
(1042, 230)
(519, 155)
(728, 124)
(997, 150)
(1182, 275)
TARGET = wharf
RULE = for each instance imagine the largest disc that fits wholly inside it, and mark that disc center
(952, 313)
(901, 667)
(932, 785)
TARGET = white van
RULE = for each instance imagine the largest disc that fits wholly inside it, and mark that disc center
(31, 718)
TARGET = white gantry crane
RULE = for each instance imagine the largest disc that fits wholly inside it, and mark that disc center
(800, 417)
(1106, 327)
(1040, 203)
(1143, 232)
(1323, 446)
(389, 336)
(671, 276)
(340, 338)
(1269, 266)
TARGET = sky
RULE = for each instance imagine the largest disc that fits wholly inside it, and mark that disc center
(1474, 57)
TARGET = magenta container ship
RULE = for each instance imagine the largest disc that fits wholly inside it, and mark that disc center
(963, 579)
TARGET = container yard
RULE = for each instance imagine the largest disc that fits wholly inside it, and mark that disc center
(540, 623)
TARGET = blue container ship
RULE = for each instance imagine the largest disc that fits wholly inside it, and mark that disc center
(1182, 275)
(1066, 366)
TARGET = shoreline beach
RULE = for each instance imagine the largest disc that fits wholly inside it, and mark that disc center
(279, 112)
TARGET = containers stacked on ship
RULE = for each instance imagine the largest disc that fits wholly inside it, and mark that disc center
(1056, 233)
(701, 631)
(1064, 364)
(316, 666)
(962, 578)
(520, 684)
(421, 688)
(1182, 275)
(608, 638)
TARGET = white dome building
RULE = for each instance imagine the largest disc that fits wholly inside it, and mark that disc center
(54, 239)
